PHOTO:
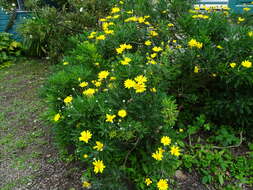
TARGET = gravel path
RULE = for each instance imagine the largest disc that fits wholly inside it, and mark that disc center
(28, 158)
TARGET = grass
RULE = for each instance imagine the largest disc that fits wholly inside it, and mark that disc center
(21, 132)
(28, 159)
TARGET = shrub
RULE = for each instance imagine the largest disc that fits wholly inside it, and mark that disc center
(118, 94)
(46, 33)
(216, 75)
(109, 92)
(9, 5)
(9, 49)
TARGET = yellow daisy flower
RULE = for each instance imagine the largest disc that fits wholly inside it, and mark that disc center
(153, 33)
(165, 140)
(140, 79)
(103, 75)
(175, 150)
(246, 64)
(115, 10)
(148, 43)
(85, 136)
(89, 92)
(232, 65)
(122, 113)
(148, 181)
(139, 87)
(162, 184)
(83, 84)
(86, 184)
(126, 61)
(68, 99)
(101, 37)
(196, 69)
(99, 146)
(110, 118)
(57, 117)
(98, 166)
(129, 83)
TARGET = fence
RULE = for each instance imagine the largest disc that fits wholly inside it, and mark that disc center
(236, 6)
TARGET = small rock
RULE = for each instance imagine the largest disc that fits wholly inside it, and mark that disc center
(180, 175)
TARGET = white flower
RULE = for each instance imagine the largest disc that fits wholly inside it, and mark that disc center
(81, 9)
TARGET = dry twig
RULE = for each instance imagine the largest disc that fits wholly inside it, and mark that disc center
(129, 152)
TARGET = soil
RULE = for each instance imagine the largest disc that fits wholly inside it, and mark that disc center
(28, 158)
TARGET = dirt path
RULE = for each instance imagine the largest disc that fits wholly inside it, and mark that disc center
(28, 159)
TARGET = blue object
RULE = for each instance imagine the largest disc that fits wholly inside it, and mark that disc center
(4, 19)
(212, 2)
(20, 18)
(21, 5)
(237, 6)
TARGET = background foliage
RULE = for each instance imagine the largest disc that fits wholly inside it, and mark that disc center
(9, 49)
(48, 30)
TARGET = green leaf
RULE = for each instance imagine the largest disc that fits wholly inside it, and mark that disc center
(145, 168)
(205, 179)
(221, 180)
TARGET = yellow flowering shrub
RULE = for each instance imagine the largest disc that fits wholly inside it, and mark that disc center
(132, 84)
(113, 106)
(217, 59)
